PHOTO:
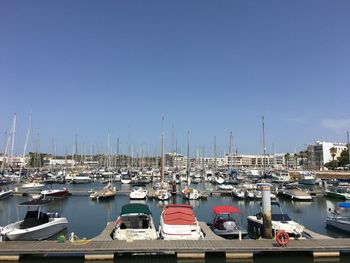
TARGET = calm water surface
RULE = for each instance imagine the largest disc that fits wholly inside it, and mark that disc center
(88, 218)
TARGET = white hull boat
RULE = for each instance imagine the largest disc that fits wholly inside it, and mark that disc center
(280, 221)
(36, 225)
(135, 223)
(138, 193)
(337, 220)
(178, 222)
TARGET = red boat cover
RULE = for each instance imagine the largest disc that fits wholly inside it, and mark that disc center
(223, 209)
(179, 215)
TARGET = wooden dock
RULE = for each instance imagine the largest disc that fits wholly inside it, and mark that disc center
(103, 247)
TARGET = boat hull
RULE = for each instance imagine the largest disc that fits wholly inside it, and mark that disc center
(341, 224)
(12, 232)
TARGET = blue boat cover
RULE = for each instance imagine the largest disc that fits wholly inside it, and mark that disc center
(344, 204)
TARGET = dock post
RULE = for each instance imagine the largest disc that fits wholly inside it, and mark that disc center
(9, 258)
(189, 255)
(325, 254)
(266, 210)
(95, 257)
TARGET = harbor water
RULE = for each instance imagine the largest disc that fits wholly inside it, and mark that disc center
(87, 218)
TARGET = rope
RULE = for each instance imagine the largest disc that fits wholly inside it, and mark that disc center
(73, 239)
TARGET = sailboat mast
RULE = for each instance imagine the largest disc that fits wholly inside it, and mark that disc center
(172, 146)
(13, 135)
(162, 160)
(264, 144)
(188, 154)
(215, 164)
(230, 151)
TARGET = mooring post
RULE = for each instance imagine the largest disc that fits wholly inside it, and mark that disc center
(266, 210)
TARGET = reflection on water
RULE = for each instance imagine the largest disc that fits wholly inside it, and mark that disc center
(210, 258)
(88, 218)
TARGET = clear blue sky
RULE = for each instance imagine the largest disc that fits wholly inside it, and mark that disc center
(97, 67)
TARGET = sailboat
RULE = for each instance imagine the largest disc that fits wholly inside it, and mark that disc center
(108, 191)
(162, 193)
(190, 193)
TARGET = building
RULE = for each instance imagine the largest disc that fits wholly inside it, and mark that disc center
(13, 161)
(319, 153)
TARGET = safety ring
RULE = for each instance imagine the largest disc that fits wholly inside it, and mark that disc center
(282, 238)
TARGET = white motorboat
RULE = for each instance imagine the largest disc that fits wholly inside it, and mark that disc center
(226, 222)
(81, 179)
(138, 193)
(225, 187)
(298, 195)
(5, 193)
(191, 194)
(280, 221)
(135, 223)
(162, 194)
(307, 178)
(280, 176)
(238, 193)
(219, 180)
(36, 224)
(179, 222)
(338, 220)
(32, 186)
(125, 178)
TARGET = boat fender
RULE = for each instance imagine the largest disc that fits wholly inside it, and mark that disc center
(282, 238)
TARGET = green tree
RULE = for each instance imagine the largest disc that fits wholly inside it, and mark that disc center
(343, 159)
(333, 152)
(287, 157)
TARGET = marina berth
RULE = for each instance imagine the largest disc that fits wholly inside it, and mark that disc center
(138, 193)
(179, 222)
(36, 225)
(294, 192)
(135, 223)
(226, 222)
(280, 221)
(340, 192)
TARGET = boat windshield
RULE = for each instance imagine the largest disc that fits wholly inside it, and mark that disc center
(34, 218)
(135, 222)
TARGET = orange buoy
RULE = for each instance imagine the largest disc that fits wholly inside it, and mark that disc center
(282, 237)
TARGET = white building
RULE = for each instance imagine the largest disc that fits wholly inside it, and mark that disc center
(13, 161)
(320, 152)
(62, 162)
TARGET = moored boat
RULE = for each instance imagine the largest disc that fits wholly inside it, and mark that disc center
(179, 222)
(337, 219)
(138, 193)
(36, 225)
(135, 223)
(226, 222)
(55, 193)
(280, 221)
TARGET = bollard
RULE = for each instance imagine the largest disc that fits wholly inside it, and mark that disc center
(266, 210)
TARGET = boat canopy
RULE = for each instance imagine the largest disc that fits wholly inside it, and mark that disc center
(344, 204)
(135, 209)
(179, 215)
(223, 209)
